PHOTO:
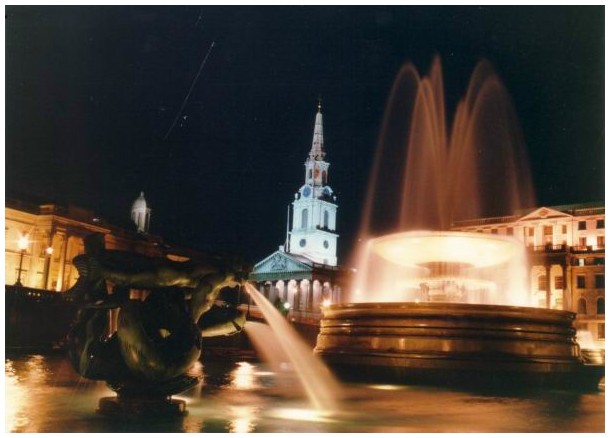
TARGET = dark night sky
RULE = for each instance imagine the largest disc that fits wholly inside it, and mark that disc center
(92, 91)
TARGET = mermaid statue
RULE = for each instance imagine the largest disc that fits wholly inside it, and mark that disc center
(164, 309)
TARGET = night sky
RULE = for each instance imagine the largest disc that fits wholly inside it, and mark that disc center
(91, 94)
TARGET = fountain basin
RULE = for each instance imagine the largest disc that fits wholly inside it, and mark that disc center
(453, 344)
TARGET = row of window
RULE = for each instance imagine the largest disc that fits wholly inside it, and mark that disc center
(547, 230)
(581, 282)
(589, 261)
(600, 305)
(599, 224)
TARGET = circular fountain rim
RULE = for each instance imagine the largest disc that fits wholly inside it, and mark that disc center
(375, 309)
(482, 250)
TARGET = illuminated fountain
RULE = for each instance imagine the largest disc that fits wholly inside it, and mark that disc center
(430, 305)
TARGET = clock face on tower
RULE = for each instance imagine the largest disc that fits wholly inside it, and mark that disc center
(306, 191)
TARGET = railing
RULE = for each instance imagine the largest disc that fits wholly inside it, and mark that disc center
(565, 248)
(483, 221)
(32, 294)
(549, 248)
(581, 248)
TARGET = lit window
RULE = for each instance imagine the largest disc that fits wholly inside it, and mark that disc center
(582, 241)
(548, 230)
(530, 231)
(542, 282)
(559, 282)
(580, 281)
(601, 306)
(601, 241)
(564, 229)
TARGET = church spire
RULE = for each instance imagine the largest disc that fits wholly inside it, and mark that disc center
(317, 145)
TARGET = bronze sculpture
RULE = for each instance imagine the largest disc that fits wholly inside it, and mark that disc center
(158, 338)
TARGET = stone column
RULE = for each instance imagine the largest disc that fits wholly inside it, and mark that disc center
(62, 262)
(547, 269)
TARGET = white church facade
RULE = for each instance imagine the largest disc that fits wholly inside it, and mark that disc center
(303, 274)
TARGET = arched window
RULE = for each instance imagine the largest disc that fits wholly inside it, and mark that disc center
(582, 306)
(325, 218)
(601, 306)
(324, 177)
(304, 217)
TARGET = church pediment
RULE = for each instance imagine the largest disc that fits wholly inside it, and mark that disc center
(543, 213)
(279, 263)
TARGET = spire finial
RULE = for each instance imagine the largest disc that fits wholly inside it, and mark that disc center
(317, 145)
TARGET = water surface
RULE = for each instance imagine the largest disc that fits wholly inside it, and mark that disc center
(44, 394)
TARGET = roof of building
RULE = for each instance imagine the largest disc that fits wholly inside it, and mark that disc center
(582, 209)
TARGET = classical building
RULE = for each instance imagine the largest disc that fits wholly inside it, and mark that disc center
(42, 240)
(303, 274)
(566, 248)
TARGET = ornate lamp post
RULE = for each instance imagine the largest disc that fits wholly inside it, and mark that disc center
(23, 245)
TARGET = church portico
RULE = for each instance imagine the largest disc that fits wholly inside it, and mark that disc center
(303, 274)
(296, 285)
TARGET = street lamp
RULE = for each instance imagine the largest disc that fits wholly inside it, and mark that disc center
(23, 245)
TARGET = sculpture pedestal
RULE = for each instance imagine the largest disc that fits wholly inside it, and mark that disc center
(139, 407)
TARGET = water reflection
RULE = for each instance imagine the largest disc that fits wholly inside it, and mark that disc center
(43, 394)
(243, 419)
(243, 377)
(16, 400)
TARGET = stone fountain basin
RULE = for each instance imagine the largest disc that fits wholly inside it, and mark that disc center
(452, 344)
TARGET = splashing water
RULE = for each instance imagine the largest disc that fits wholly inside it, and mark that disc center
(286, 346)
(426, 178)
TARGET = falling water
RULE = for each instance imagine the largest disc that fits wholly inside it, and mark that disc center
(317, 381)
(427, 176)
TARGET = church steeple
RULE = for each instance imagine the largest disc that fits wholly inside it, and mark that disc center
(313, 232)
(317, 145)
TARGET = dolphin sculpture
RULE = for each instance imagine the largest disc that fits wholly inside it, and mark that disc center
(157, 338)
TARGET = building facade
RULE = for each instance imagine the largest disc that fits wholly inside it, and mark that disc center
(304, 274)
(42, 240)
(566, 251)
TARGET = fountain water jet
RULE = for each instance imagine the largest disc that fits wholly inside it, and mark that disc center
(431, 305)
(281, 343)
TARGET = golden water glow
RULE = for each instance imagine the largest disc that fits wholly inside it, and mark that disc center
(244, 377)
(243, 419)
(387, 387)
(16, 397)
(313, 415)
(416, 248)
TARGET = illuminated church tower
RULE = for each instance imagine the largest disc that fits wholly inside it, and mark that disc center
(314, 218)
